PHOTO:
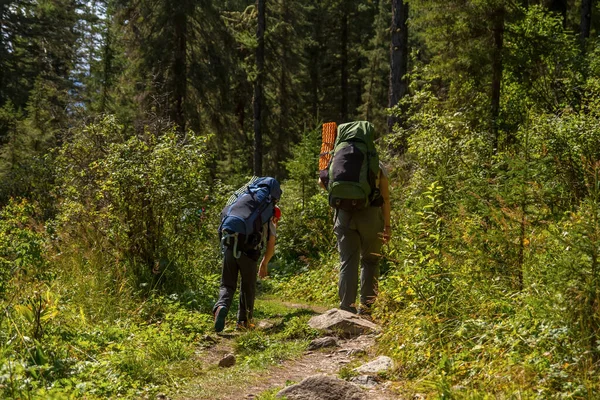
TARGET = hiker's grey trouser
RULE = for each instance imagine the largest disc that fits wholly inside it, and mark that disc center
(359, 240)
(247, 268)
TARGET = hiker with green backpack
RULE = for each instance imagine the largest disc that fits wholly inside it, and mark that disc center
(358, 190)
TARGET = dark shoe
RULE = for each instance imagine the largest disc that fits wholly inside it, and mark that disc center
(364, 310)
(350, 309)
(220, 314)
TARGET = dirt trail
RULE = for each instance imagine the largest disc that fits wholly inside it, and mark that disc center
(216, 383)
(327, 362)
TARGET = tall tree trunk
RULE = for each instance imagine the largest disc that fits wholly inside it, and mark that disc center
(258, 86)
(344, 66)
(107, 60)
(314, 82)
(560, 6)
(497, 66)
(314, 52)
(2, 54)
(283, 123)
(180, 69)
(586, 21)
(358, 88)
(398, 59)
(370, 95)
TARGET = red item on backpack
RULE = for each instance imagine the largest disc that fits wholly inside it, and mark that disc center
(277, 213)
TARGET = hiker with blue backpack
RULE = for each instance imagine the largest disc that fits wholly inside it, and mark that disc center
(358, 189)
(248, 224)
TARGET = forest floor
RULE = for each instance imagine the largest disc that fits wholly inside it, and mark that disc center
(244, 381)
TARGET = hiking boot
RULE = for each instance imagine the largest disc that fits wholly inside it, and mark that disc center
(350, 309)
(364, 310)
(220, 314)
(244, 325)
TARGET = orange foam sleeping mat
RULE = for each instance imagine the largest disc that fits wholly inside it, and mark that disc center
(328, 139)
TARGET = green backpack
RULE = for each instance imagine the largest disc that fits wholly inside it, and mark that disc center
(354, 167)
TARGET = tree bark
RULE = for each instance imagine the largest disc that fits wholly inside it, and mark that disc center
(497, 66)
(107, 69)
(344, 66)
(398, 59)
(283, 103)
(315, 54)
(258, 86)
(560, 6)
(180, 69)
(2, 55)
(586, 21)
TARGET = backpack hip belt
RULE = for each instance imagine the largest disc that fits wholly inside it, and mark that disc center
(225, 240)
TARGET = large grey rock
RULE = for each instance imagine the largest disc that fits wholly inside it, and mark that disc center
(323, 387)
(343, 322)
(380, 364)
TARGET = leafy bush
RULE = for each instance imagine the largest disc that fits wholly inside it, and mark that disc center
(305, 231)
(313, 282)
(22, 245)
(141, 201)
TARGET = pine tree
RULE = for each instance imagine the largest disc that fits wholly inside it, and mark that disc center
(586, 20)
(376, 73)
(398, 86)
(179, 60)
(39, 40)
(286, 80)
(258, 103)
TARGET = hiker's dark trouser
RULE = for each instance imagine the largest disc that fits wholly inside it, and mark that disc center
(359, 240)
(247, 268)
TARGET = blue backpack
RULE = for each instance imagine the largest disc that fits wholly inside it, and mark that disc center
(246, 212)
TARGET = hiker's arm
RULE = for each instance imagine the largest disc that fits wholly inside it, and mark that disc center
(323, 178)
(322, 184)
(263, 271)
(385, 207)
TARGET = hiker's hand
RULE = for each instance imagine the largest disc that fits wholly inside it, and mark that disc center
(387, 233)
(263, 271)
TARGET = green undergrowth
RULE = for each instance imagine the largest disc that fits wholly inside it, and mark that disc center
(271, 394)
(313, 281)
(137, 355)
(494, 347)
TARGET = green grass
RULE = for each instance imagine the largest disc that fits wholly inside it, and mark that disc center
(129, 357)
(271, 394)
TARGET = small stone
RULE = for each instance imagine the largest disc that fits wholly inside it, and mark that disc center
(380, 364)
(356, 352)
(209, 339)
(327, 341)
(264, 325)
(227, 361)
(364, 380)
